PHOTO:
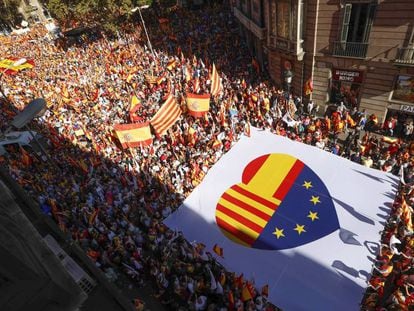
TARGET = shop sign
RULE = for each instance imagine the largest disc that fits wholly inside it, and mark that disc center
(407, 108)
(347, 76)
(282, 44)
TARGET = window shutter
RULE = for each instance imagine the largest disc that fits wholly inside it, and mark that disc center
(370, 20)
(345, 22)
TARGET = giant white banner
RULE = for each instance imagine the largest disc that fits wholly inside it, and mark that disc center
(301, 220)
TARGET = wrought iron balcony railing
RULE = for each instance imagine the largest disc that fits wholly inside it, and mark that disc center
(350, 49)
(405, 56)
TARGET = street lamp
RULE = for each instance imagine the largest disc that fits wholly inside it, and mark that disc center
(138, 8)
(288, 76)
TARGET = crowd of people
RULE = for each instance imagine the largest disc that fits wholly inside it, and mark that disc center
(112, 201)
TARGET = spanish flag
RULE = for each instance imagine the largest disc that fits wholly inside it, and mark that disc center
(171, 64)
(10, 66)
(247, 292)
(308, 87)
(390, 140)
(151, 79)
(198, 105)
(65, 94)
(231, 300)
(406, 215)
(92, 216)
(134, 104)
(26, 159)
(133, 135)
(218, 250)
(256, 65)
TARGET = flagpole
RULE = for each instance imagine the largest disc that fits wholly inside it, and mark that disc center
(145, 28)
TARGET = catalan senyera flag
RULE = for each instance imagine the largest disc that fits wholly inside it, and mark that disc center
(166, 116)
(196, 85)
(216, 86)
(9, 68)
(198, 105)
(133, 135)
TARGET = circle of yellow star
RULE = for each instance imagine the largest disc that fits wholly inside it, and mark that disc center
(278, 233)
(307, 184)
(300, 228)
(315, 200)
(313, 215)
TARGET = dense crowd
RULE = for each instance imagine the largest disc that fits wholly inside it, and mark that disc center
(112, 201)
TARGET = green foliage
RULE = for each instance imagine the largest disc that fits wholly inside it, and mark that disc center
(107, 13)
(8, 11)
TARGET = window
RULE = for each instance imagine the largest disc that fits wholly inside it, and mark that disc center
(283, 19)
(404, 89)
(357, 22)
(286, 24)
(273, 18)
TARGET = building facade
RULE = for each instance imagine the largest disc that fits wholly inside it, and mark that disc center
(360, 52)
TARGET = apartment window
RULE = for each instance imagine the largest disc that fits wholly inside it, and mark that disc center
(283, 19)
(285, 24)
(357, 22)
(403, 89)
(273, 18)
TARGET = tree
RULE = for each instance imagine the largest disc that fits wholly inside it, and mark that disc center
(9, 13)
(107, 13)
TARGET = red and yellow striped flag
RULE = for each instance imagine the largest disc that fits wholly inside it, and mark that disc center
(26, 159)
(216, 86)
(151, 79)
(166, 116)
(231, 300)
(133, 135)
(10, 67)
(135, 103)
(248, 292)
(406, 215)
(171, 64)
(198, 105)
(218, 250)
(245, 209)
(92, 216)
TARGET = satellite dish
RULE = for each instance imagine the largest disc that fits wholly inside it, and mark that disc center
(35, 108)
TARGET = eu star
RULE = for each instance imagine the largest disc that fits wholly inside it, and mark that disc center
(278, 233)
(315, 200)
(313, 215)
(300, 228)
(307, 184)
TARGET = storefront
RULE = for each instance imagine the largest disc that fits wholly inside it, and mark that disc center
(401, 106)
(346, 87)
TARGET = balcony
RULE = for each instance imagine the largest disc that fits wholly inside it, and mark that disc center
(350, 49)
(259, 32)
(405, 56)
